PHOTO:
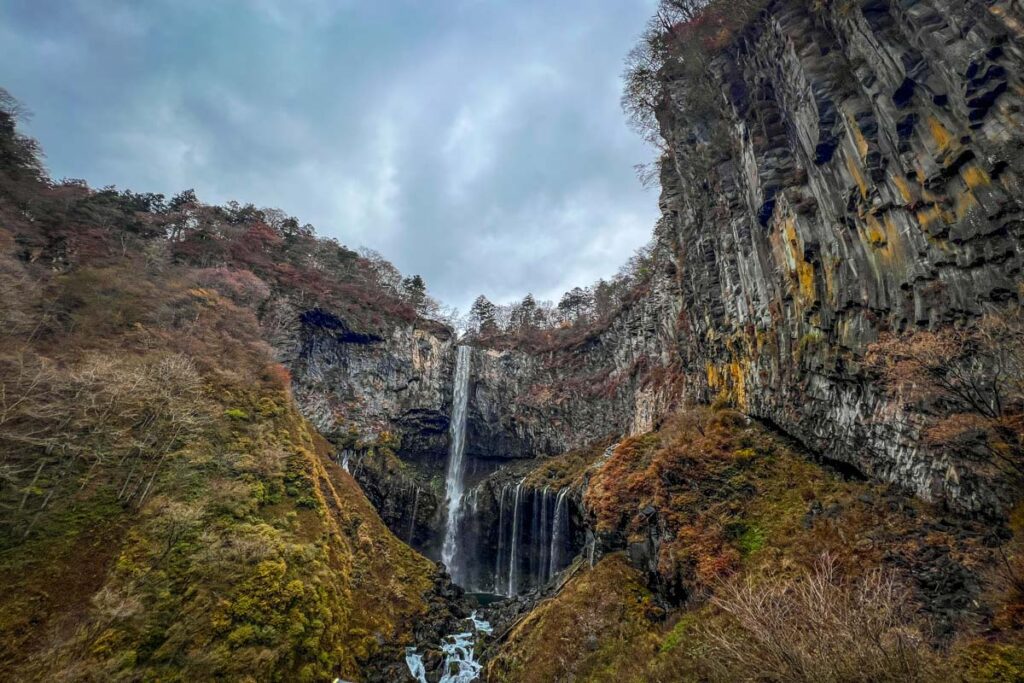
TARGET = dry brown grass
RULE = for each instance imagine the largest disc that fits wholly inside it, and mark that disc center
(817, 628)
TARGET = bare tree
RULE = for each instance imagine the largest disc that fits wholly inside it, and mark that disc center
(818, 628)
(969, 380)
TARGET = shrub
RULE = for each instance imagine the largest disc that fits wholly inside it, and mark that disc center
(240, 285)
(969, 381)
(819, 628)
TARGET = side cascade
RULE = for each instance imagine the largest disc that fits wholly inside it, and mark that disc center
(456, 463)
(534, 537)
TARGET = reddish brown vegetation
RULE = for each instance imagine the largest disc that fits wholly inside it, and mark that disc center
(969, 381)
(678, 472)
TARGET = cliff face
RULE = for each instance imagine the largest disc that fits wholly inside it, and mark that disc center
(611, 383)
(376, 396)
(864, 178)
(873, 184)
(346, 380)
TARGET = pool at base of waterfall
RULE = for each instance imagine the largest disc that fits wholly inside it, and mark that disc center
(460, 665)
(485, 599)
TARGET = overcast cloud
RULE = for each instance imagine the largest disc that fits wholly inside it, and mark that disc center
(475, 142)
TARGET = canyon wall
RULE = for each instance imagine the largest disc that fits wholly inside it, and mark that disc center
(864, 178)
(872, 183)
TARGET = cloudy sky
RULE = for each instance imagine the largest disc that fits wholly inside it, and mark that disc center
(476, 142)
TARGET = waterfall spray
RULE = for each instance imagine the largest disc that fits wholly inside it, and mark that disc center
(453, 482)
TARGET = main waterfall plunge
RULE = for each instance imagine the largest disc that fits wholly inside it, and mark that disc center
(501, 536)
(453, 482)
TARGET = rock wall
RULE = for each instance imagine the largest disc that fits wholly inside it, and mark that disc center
(614, 382)
(376, 397)
(872, 183)
(348, 381)
(869, 182)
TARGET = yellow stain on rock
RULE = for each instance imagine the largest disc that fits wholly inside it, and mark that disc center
(1008, 21)
(728, 379)
(805, 276)
(965, 202)
(858, 178)
(903, 187)
(893, 241)
(858, 136)
(940, 134)
(932, 214)
(803, 270)
(974, 176)
(875, 233)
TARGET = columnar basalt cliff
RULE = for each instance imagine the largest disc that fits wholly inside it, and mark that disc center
(871, 182)
(861, 177)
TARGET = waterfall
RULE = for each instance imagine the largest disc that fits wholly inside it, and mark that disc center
(515, 537)
(453, 482)
(534, 536)
(412, 521)
(554, 561)
(542, 539)
(501, 540)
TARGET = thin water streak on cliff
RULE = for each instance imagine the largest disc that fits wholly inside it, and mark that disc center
(512, 574)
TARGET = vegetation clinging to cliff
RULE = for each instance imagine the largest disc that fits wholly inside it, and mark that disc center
(581, 314)
(753, 552)
(968, 381)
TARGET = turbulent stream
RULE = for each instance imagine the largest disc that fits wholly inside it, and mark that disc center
(460, 665)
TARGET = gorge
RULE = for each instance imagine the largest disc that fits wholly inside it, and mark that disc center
(802, 404)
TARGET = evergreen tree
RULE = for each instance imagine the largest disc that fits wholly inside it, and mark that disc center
(524, 314)
(481, 315)
(415, 292)
(575, 304)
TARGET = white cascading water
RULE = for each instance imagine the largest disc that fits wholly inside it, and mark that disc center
(498, 586)
(453, 482)
(513, 583)
(554, 556)
(460, 665)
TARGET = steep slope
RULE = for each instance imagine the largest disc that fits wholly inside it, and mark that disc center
(703, 523)
(167, 512)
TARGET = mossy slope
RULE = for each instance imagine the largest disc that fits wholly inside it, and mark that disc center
(206, 535)
(729, 501)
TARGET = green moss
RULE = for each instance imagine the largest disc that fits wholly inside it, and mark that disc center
(810, 340)
(595, 629)
(747, 537)
(680, 633)
(989, 662)
(236, 414)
